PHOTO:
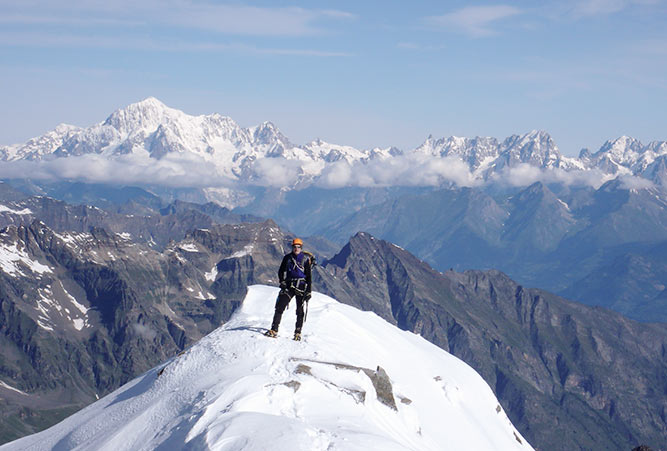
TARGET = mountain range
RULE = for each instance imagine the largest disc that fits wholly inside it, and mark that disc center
(150, 143)
(138, 214)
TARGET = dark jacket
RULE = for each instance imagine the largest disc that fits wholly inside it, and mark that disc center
(296, 267)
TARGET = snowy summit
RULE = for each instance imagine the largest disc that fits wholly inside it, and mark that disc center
(355, 382)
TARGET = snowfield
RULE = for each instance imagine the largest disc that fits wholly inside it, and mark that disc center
(238, 390)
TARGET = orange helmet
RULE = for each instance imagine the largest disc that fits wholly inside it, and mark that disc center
(297, 241)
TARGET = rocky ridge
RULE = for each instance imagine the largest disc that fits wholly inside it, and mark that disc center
(561, 369)
(155, 223)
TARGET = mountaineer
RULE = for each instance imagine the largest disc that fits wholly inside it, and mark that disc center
(295, 281)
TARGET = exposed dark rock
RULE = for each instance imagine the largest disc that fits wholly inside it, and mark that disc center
(405, 400)
(303, 369)
(294, 385)
(379, 378)
(382, 385)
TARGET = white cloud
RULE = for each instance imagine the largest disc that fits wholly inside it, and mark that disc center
(591, 8)
(159, 44)
(427, 170)
(37, 19)
(159, 26)
(176, 170)
(598, 7)
(173, 170)
(475, 21)
(277, 172)
(404, 170)
(634, 182)
(236, 19)
(525, 175)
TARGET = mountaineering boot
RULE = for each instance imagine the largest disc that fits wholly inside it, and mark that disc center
(271, 333)
(297, 336)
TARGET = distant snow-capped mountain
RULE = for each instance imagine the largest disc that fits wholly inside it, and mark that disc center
(625, 155)
(487, 156)
(38, 147)
(149, 131)
(372, 387)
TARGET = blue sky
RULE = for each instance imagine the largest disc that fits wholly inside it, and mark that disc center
(362, 73)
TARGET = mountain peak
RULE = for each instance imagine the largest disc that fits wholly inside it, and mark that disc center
(240, 390)
(620, 148)
(268, 125)
(537, 134)
(540, 137)
(536, 148)
(538, 192)
(64, 128)
(147, 114)
(268, 133)
(365, 242)
(150, 101)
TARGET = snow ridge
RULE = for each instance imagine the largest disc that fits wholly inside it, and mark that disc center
(236, 389)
